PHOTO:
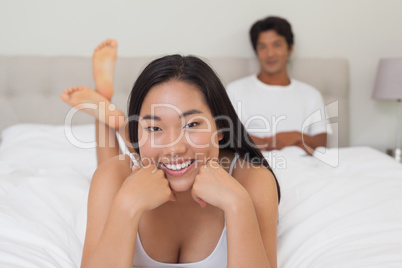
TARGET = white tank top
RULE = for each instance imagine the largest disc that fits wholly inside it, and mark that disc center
(217, 259)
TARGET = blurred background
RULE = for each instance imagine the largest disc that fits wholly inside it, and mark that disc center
(362, 31)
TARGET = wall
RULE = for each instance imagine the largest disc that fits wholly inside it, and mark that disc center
(362, 31)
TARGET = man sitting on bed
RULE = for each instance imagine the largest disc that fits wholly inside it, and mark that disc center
(277, 110)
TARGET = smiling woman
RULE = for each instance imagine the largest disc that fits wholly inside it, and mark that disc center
(169, 132)
(202, 195)
(167, 145)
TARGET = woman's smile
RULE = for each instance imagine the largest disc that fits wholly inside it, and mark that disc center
(177, 168)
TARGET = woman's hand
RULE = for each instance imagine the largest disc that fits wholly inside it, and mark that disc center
(215, 186)
(146, 188)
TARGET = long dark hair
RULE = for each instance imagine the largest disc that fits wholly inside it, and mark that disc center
(194, 71)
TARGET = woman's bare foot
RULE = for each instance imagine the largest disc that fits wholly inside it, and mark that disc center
(103, 64)
(93, 103)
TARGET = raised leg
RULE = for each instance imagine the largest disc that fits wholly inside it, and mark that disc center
(108, 118)
(93, 103)
(103, 66)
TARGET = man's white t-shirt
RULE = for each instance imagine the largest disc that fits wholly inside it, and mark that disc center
(266, 110)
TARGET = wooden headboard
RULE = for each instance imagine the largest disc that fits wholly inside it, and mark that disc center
(30, 86)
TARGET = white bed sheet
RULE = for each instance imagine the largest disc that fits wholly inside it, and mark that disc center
(344, 216)
(44, 182)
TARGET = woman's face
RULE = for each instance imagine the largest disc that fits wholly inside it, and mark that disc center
(177, 132)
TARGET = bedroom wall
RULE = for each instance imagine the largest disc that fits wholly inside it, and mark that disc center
(361, 31)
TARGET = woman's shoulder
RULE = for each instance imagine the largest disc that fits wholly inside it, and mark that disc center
(244, 169)
(255, 178)
(240, 167)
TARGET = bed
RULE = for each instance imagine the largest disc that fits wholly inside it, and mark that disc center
(339, 208)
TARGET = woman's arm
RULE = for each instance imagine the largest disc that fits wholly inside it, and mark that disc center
(251, 210)
(106, 183)
(117, 200)
(117, 242)
(261, 187)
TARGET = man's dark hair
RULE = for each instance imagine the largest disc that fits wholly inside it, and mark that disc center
(279, 25)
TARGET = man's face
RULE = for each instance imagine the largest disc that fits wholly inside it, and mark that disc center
(272, 52)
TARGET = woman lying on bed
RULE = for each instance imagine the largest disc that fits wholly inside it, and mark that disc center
(202, 195)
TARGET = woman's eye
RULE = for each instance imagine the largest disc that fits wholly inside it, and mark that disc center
(192, 124)
(153, 129)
